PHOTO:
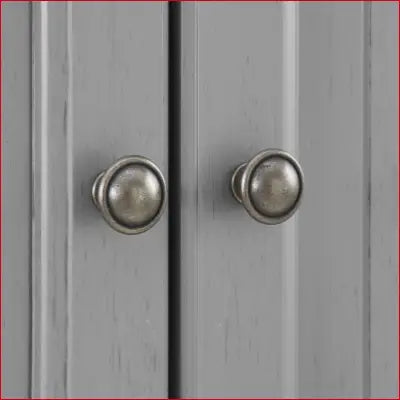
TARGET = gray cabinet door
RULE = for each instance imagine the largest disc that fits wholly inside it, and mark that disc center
(306, 308)
(309, 307)
(97, 91)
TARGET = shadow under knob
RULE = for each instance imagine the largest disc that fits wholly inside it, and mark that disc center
(130, 194)
(269, 186)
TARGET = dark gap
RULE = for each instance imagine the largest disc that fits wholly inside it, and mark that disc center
(174, 178)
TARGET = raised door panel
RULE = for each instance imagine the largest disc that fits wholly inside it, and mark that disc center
(99, 297)
(289, 310)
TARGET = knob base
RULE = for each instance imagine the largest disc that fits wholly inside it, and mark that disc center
(236, 180)
(95, 190)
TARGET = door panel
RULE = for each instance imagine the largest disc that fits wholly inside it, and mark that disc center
(289, 310)
(16, 199)
(384, 106)
(231, 265)
(334, 217)
(100, 297)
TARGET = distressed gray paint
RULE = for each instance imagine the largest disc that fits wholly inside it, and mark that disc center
(297, 309)
(100, 298)
(231, 275)
(16, 198)
(384, 200)
(334, 219)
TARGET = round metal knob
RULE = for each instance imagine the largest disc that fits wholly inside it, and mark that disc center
(130, 194)
(269, 186)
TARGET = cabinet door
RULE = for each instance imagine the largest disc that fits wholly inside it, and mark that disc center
(99, 92)
(308, 307)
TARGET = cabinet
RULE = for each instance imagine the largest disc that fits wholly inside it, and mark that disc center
(208, 302)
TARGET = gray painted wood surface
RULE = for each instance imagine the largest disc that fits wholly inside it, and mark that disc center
(384, 200)
(16, 198)
(100, 298)
(231, 266)
(296, 309)
(334, 219)
(308, 308)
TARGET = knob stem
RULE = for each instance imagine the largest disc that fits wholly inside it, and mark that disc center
(95, 190)
(236, 182)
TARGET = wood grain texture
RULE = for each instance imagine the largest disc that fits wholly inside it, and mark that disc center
(231, 275)
(384, 199)
(100, 300)
(16, 198)
(287, 310)
(333, 231)
(189, 267)
(51, 202)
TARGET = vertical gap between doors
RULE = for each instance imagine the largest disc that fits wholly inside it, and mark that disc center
(174, 148)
